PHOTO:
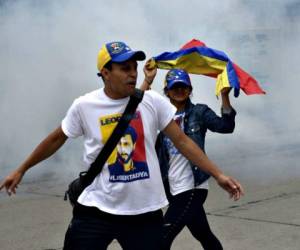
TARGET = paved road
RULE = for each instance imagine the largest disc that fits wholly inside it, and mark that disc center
(268, 218)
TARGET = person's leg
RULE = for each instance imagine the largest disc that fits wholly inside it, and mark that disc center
(141, 232)
(90, 229)
(137, 237)
(198, 225)
(175, 217)
(88, 234)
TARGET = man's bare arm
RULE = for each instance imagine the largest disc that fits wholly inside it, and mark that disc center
(193, 153)
(44, 150)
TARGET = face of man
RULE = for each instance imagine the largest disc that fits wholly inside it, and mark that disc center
(125, 147)
(120, 81)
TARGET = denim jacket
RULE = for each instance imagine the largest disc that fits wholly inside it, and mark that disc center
(198, 118)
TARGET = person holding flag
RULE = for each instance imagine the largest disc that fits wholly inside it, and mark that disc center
(185, 184)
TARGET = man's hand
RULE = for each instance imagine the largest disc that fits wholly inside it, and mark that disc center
(232, 186)
(10, 183)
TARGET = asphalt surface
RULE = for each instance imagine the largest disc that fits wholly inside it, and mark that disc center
(267, 217)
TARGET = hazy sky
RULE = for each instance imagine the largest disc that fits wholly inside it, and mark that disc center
(48, 53)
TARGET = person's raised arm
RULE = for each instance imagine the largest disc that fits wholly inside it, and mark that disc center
(193, 153)
(225, 99)
(150, 71)
(45, 149)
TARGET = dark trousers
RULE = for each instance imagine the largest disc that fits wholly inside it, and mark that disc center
(92, 229)
(186, 209)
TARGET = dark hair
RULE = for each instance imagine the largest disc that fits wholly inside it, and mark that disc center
(108, 66)
(131, 131)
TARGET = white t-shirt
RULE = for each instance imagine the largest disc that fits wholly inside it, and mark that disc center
(130, 181)
(180, 173)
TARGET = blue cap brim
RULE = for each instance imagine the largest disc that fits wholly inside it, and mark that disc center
(137, 55)
(179, 82)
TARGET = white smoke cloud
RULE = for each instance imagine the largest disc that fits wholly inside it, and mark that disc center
(48, 55)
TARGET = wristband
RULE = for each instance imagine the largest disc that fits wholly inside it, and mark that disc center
(149, 82)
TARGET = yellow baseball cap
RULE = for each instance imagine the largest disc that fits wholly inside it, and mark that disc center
(117, 52)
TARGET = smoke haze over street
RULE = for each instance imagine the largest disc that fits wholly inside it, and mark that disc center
(48, 53)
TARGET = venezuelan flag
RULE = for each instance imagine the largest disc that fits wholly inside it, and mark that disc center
(194, 57)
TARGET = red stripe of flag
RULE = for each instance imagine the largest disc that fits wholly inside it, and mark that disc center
(247, 83)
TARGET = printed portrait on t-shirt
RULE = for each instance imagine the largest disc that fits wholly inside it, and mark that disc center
(127, 162)
(179, 119)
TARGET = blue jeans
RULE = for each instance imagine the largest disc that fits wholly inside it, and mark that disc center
(186, 209)
(92, 229)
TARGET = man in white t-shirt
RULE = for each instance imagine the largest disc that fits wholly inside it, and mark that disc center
(121, 203)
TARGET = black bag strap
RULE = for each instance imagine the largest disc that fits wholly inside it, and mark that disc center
(114, 138)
